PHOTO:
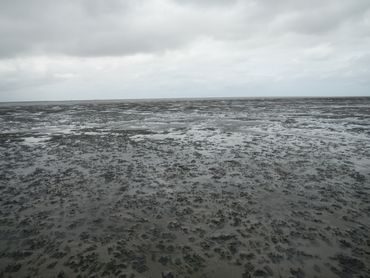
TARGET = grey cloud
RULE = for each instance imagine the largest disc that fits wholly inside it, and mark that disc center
(329, 17)
(124, 27)
(311, 17)
(80, 31)
(24, 80)
(207, 3)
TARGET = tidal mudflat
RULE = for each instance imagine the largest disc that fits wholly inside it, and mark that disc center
(203, 188)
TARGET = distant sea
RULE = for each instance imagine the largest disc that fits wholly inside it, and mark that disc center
(97, 101)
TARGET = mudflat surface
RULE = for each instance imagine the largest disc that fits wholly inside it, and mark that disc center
(212, 188)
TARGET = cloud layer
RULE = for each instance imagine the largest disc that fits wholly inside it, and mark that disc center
(169, 48)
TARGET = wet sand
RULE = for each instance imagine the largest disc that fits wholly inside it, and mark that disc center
(212, 188)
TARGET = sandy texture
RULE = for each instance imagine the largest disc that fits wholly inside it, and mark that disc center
(233, 188)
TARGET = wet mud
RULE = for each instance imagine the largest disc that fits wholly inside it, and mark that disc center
(203, 188)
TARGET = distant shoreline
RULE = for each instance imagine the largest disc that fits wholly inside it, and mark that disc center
(82, 101)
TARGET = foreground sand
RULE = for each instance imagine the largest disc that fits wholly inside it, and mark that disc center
(233, 188)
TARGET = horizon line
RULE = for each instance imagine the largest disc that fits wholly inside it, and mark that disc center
(179, 99)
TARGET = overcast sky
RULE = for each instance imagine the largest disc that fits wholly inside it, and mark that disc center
(98, 49)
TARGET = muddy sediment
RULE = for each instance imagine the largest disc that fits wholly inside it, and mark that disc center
(212, 188)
